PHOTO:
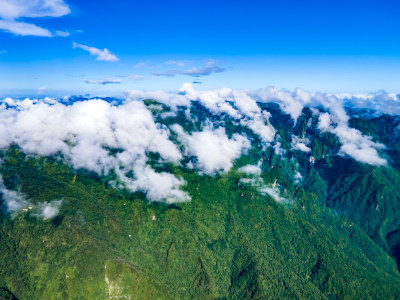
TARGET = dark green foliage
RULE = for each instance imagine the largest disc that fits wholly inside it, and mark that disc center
(337, 238)
(228, 242)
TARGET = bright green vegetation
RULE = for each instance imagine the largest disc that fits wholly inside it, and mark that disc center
(338, 238)
(228, 242)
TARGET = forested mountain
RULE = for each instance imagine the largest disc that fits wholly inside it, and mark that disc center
(199, 195)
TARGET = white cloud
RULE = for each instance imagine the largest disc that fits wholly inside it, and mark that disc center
(251, 169)
(300, 144)
(61, 33)
(103, 55)
(12, 10)
(324, 122)
(278, 149)
(256, 180)
(104, 81)
(85, 131)
(218, 101)
(170, 99)
(291, 103)
(354, 143)
(49, 210)
(274, 193)
(214, 151)
(23, 29)
(241, 105)
(380, 103)
(14, 201)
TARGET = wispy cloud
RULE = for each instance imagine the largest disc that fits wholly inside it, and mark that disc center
(209, 68)
(134, 77)
(104, 81)
(104, 54)
(141, 65)
(61, 33)
(11, 11)
(23, 29)
(180, 63)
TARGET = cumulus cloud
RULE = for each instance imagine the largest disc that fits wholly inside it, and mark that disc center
(12, 10)
(242, 106)
(300, 144)
(291, 103)
(250, 170)
(170, 99)
(104, 81)
(84, 133)
(104, 55)
(237, 104)
(377, 103)
(335, 119)
(49, 210)
(212, 148)
(354, 143)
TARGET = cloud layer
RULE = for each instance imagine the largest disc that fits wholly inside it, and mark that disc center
(100, 136)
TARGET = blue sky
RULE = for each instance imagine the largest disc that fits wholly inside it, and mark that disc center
(330, 46)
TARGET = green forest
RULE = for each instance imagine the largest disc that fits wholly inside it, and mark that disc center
(337, 236)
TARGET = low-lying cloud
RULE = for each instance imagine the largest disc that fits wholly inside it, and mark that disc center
(100, 136)
(15, 202)
(86, 131)
(213, 150)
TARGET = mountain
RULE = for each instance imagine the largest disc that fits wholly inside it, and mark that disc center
(166, 198)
